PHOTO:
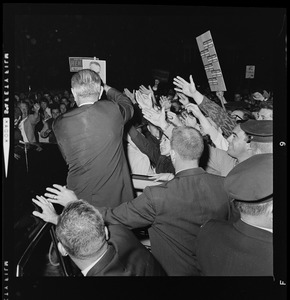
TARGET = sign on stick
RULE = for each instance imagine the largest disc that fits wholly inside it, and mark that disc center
(211, 63)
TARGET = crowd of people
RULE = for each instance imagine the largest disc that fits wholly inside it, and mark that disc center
(212, 213)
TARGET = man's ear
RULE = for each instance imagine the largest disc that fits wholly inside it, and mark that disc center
(106, 233)
(101, 92)
(75, 96)
(61, 249)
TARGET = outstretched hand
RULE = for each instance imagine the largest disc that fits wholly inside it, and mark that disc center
(183, 99)
(48, 213)
(187, 88)
(60, 195)
(189, 120)
(143, 100)
(194, 109)
(173, 118)
(157, 118)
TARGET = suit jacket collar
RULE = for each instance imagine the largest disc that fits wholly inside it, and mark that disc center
(190, 172)
(254, 232)
(103, 262)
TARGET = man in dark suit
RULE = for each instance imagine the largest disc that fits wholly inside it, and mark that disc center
(90, 139)
(173, 211)
(96, 249)
(245, 247)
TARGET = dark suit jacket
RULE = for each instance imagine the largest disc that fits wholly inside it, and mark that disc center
(91, 140)
(175, 211)
(126, 256)
(234, 249)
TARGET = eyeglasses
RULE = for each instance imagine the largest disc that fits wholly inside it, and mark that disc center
(237, 117)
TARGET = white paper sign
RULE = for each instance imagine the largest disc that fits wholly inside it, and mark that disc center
(99, 66)
(250, 71)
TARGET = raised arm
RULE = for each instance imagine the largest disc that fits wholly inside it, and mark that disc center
(221, 117)
(213, 110)
(158, 118)
(149, 149)
(125, 104)
(188, 88)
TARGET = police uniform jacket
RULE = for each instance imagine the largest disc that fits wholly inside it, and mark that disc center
(234, 249)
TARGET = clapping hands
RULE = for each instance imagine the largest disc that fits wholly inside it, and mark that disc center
(146, 91)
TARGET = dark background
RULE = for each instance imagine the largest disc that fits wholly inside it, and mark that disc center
(134, 39)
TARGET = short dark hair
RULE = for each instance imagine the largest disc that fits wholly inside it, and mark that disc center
(54, 106)
(252, 209)
(81, 230)
(187, 142)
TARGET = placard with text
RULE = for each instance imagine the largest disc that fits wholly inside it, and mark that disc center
(211, 63)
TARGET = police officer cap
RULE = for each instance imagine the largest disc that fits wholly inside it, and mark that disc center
(260, 130)
(252, 179)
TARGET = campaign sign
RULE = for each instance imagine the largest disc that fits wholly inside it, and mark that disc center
(76, 63)
(211, 63)
(250, 71)
(99, 66)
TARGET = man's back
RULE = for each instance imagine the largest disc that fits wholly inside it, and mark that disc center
(126, 256)
(239, 249)
(175, 211)
(90, 139)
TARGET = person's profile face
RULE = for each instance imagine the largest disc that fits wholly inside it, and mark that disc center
(165, 146)
(237, 142)
(238, 114)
